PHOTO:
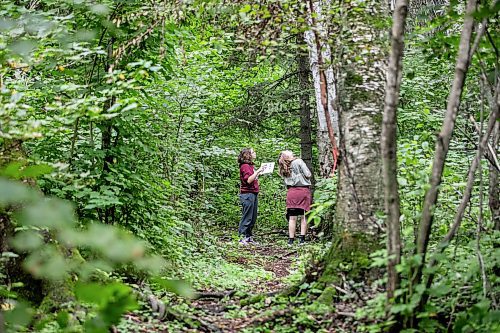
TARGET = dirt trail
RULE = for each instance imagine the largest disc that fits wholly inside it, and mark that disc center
(273, 258)
(226, 314)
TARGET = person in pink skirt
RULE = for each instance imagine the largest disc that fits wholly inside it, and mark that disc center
(298, 197)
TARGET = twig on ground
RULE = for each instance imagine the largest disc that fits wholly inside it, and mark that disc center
(206, 294)
(287, 254)
(343, 290)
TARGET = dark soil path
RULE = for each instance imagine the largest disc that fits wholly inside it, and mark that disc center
(228, 314)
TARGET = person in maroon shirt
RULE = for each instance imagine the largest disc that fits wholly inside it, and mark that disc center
(249, 189)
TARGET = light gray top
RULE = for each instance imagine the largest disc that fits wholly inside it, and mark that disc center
(300, 174)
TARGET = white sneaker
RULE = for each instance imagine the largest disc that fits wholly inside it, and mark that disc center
(251, 240)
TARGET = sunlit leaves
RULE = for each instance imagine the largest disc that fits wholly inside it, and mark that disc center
(17, 170)
(43, 218)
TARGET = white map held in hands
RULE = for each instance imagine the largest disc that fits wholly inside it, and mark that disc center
(267, 167)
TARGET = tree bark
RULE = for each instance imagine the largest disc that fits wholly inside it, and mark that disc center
(10, 151)
(360, 104)
(106, 130)
(361, 91)
(324, 85)
(494, 183)
(389, 145)
(305, 115)
(443, 140)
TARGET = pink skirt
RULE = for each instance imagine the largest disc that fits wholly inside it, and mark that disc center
(299, 197)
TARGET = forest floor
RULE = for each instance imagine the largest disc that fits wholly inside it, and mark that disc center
(254, 306)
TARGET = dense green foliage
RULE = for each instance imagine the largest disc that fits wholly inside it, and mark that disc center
(124, 120)
(87, 112)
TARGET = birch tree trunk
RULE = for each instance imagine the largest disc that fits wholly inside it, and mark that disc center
(324, 144)
(389, 145)
(361, 91)
(360, 100)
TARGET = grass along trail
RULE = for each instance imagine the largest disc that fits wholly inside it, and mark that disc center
(265, 269)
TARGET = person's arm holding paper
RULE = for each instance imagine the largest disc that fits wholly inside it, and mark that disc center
(254, 176)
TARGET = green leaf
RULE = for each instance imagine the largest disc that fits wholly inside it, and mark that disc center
(100, 294)
(21, 315)
(48, 263)
(178, 287)
(52, 213)
(27, 240)
(23, 48)
(100, 9)
(35, 171)
(246, 8)
(440, 290)
(486, 11)
(12, 192)
(113, 300)
(62, 319)
(12, 170)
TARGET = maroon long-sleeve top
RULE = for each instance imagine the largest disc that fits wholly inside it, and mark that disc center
(246, 170)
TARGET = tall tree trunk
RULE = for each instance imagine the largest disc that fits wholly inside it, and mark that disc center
(360, 98)
(494, 182)
(389, 145)
(305, 114)
(106, 130)
(443, 141)
(361, 91)
(324, 84)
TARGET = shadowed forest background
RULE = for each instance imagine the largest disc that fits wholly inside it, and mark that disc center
(120, 127)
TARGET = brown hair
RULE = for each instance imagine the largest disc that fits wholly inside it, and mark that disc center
(245, 156)
(284, 161)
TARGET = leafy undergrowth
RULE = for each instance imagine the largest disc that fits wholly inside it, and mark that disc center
(242, 290)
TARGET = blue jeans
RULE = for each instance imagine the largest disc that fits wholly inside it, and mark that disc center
(249, 204)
